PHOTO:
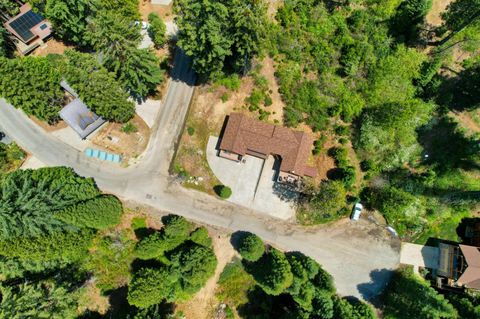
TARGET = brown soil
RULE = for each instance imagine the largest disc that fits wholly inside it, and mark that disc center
(204, 302)
(128, 146)
(273, 6)
(52, 46)
(49, 128)
(465, 120)
(268, 71)
(93, 300)
(434, 15)
(165, 12)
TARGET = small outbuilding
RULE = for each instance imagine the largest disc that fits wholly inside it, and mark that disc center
(78, 116)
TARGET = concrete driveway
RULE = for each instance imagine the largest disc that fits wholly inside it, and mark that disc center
(419, 256)
(252, 182)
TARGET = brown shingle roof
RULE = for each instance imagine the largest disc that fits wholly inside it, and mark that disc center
(471, 276)
(244, 135)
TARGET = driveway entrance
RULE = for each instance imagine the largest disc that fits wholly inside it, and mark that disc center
(252, 182)
(419, 256)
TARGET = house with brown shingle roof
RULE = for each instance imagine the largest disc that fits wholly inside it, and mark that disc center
(247, 136)
(459, 265)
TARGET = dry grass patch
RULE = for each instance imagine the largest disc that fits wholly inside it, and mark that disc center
(146, 7)
(112, 137)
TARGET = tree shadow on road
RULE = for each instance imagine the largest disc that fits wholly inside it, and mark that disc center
(371, 291)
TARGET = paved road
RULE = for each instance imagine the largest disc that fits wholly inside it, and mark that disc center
(359, 255)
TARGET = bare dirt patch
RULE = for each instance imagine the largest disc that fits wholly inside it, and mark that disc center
(165, 12)
(204, 302)
(129, 145)
(52, 46)
(273, 6)
(49, 128)
(434, 15)
(465, 119)
(92, 299)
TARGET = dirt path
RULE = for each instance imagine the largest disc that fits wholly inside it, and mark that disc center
(202, 304)
(268, 71)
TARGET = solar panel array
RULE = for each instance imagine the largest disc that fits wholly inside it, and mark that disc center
(24, 23)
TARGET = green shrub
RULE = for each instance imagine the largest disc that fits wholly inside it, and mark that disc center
(325, 203)
(251, 247)
(190, 130)
(129, 128)
(340, 155)
(138, 223)
(200, 236)
(231, 82)
(255, 98)
(223, 191)
(267, 101)
(234, 284)
(157, 30)
(343, 141)
(109, 260)
(342, 130)
(224, 97)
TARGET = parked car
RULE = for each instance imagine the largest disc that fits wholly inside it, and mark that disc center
(357, 211)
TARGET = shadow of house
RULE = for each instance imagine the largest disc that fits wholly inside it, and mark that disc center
(379, 279)
(469, 231)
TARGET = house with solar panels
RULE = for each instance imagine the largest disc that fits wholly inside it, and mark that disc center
(28, 29)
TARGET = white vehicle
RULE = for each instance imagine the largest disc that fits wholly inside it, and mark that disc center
(392, 231)
(357, 211)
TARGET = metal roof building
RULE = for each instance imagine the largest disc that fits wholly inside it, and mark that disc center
(83, 121)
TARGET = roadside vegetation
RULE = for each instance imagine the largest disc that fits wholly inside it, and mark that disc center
(11, 157)
(65, 248)
(272, 284)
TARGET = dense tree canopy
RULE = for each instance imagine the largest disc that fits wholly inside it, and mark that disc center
(29, 199)
(186, 260)
(409, 296)
(272, 272)
(97, 87)
(37, 300)
(69, 18)
(32, 84)
(220, 33)
(99, 213)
